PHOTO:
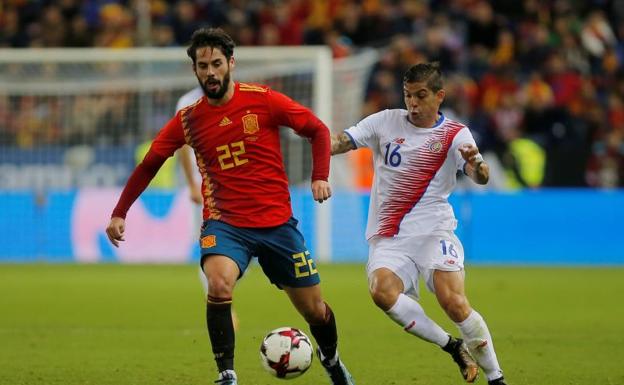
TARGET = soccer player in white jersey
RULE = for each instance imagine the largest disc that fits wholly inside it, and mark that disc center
(410, 231)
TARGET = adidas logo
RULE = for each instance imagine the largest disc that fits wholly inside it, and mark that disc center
(225, 121)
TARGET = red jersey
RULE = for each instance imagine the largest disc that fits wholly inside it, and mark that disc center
(237, 146)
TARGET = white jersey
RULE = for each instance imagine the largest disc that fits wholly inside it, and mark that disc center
(415, 172)
(189, 98)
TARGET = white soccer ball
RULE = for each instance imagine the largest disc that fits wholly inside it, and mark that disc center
(286, 352)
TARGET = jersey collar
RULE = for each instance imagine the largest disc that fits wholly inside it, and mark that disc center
(437, 124)
(439, 121)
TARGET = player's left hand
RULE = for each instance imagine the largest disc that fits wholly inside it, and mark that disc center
(470, 153)
(321, 191)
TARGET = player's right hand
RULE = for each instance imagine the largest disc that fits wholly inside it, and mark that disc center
(115, 230)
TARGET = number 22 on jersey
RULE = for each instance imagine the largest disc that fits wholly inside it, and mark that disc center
(229, 155)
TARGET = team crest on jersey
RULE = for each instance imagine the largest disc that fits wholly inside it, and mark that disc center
(435, 146)
(398, 140)
(250, 124)
(208, 241)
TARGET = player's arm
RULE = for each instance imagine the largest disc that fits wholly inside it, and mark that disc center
(341, 143)
(168, 140)
(319, 136)
(475, 167)
(186, 160)
(289, 113)
(137, 183)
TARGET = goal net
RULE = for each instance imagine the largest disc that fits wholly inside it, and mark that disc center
(76, 121)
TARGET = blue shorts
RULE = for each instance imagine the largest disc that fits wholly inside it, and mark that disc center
(280, 250)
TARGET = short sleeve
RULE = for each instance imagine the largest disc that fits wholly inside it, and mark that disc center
(463, 136)
(364, 134)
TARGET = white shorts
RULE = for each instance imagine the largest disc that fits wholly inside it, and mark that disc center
(418, 256)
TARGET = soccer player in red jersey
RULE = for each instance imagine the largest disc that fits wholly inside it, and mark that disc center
(234, 132)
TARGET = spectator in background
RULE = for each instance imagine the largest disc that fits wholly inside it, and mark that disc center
(163, 36)
(581, 44)
(116, 27)
(185, 21)
(597, 37)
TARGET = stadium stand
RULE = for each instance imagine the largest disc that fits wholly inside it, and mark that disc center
(541, 76)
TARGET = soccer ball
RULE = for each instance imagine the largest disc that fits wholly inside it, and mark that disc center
(286, 352)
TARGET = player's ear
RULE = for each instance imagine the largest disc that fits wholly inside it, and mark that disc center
(232, 63)
(440, 95)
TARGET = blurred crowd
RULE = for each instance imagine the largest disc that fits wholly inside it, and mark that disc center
(540, 83)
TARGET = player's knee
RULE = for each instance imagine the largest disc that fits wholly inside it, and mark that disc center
(220, 287)
(384, 288)
(383, 296)
(314, 313)
(457, 307)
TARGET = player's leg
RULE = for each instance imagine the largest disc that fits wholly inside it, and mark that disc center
(449, 289)
(288, 264)
(392, 274)
(387, 291)
(433, 253)
(457, 348)
(221, 273)
(448, 286)
(320, 317)
(224, 258)
(204, 283)
(318, 314)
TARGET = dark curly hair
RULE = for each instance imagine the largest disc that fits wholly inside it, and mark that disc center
(211, 37)
(425, 72)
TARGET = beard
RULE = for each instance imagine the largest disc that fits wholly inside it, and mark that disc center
(220, 92)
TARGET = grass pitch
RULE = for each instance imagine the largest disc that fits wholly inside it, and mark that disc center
(135, 325)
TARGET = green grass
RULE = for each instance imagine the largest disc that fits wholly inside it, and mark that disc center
(131, 325)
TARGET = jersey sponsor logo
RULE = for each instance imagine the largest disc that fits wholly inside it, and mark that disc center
(398, 140)
(435, 146)
(225, 121)
(208, 241)
(250, 124)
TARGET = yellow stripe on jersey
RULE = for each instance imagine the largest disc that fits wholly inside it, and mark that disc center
(184, 119)
(251, 88)
(208, 191)
(244, 89)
